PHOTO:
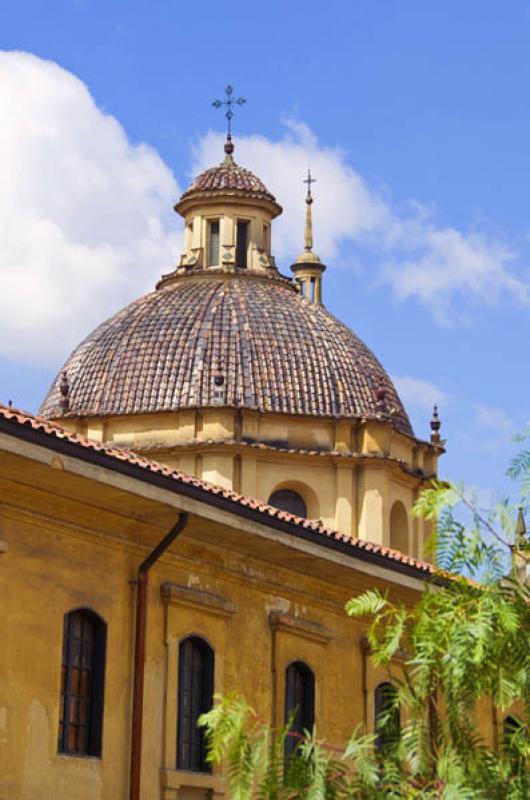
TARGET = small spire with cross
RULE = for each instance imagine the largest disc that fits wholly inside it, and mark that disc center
(228, 103)
(308, 268)
(309, 180)
(308, 238)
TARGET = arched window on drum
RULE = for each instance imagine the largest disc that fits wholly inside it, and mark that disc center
(290, 501)
(399, 528)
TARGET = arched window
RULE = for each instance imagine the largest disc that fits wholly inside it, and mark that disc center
(196, 679)
(289, 501)
(510, 728)
(82, 683)
(399, 528)
(300, 700)
(387, 717)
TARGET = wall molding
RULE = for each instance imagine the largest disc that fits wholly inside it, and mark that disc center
(300, 627)
(197, 598)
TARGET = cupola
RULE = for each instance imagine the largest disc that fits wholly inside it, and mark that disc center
(308, 268)
(228, 213)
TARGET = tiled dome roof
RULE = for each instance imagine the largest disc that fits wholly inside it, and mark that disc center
(229, 177)
(237, 341)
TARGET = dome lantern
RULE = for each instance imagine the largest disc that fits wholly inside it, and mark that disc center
(308, 268)
(228, 213)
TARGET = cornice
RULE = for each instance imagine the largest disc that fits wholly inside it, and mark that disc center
(173, 593)
(300, 627)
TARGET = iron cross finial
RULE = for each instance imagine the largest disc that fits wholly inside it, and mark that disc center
(309, 180)
(228, 103)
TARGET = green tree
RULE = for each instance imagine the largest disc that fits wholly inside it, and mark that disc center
(465, 645)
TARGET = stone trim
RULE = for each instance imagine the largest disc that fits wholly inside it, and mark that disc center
(300, 627)
(197, 598)
(172, 780)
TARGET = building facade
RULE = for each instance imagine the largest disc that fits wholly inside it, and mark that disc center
(216, 470)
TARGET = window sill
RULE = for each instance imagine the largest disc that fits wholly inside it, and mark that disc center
(178, 778)
(82, 756)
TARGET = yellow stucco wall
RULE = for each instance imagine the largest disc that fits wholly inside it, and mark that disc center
(75, 541)
(72, 545)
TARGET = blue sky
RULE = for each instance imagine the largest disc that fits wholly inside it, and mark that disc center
(422, 107)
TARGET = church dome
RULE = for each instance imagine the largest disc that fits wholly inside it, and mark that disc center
(234, 340)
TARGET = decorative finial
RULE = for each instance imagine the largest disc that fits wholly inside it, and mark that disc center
(520, 530)
(228, 103)
(10, 404)
(380, 396)
(64, 388)
(308, 237)
(435, 426)
(218, 383)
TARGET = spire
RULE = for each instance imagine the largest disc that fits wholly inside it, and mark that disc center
(308, 267)
(308, 238)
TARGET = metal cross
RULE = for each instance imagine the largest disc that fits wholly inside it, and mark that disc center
(229, 102)
(309, 180)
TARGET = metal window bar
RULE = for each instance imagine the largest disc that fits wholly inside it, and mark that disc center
(213, 243)
(241, 244)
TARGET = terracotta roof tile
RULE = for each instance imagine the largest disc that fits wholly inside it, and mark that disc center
(228, 176)
(276, 352)
(20, 418)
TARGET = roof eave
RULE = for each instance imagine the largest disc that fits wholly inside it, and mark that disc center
(100, 458)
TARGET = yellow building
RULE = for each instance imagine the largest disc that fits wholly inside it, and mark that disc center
(217, 469)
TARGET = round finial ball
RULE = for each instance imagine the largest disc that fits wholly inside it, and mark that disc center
(229, 147)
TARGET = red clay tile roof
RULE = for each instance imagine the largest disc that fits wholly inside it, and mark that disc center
(20, 419)
(272, 350)
(228, 177)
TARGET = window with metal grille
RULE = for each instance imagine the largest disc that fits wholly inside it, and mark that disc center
(514, 741)
(213, 243)
(196, 681)
(299, 703)
(387, 716)
(289, 501)
(241, 244)
(82, 683)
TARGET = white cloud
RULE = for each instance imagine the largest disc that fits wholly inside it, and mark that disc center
(494, 419)
(85, 216)
(418, 394)
(344, 208)
(441, 267)
(86, 220)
